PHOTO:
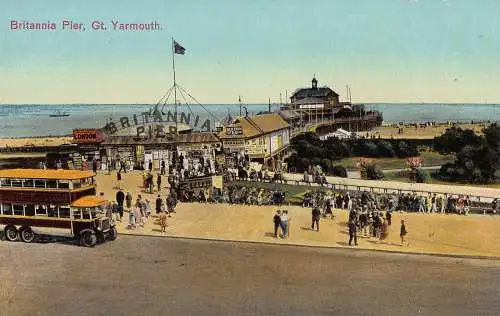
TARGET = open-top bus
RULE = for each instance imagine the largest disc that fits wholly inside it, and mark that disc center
(53, 201)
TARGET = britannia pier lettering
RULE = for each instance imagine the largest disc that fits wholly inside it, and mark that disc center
(144, 123)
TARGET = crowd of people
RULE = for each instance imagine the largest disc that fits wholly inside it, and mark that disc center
(408, 202)
(140, 211)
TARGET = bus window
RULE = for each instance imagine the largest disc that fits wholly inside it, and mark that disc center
(40, 183)
(28, 183)
(5, 182)
(63, 184)
(86, 213)
(17, 183)
(64, 211)
(52, 211)
(77, 184)
(77, 213)
(18, 209)
(29, 210)
(7, 209)
(51, 184)
(96, 212)
(41, 210)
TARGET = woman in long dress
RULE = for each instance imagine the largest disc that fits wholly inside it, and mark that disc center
(384, 229)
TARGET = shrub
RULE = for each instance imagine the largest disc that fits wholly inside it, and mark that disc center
(339, 171)
(373, 173)
(385, 149)
(326, 165)
(369, 170)
(403, 150)
(421, 176)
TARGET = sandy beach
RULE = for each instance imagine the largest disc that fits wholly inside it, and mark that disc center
(427, 132)
(35, 141)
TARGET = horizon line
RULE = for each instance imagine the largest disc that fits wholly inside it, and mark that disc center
(237, 104)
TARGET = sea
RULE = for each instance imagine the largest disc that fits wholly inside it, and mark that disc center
(34, 120)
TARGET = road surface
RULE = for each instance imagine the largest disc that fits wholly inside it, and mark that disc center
(162, 276)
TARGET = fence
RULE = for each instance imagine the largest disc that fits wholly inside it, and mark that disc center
(479, 204)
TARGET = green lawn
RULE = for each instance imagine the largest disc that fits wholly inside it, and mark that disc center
(429, 159)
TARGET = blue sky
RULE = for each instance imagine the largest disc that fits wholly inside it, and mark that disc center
(386, 50)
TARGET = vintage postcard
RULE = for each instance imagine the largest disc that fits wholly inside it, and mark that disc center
(267, 157)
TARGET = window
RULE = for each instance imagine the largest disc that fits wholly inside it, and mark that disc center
(51, 184)
(41, 210)
(28, 183)
(5, 182)
(40, 183)
(29, 210)
(77, 213)
(86, 213)
(17, 183)
(63, 184)
(18, 209)
(96, 212)
(52, 211)
(7, 209)
(77, 184)
(64, 211)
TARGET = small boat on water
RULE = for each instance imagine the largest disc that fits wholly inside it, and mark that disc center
(59, 113)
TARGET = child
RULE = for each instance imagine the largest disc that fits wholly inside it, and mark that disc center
(403, 232)
(132, 219)
(163, 221)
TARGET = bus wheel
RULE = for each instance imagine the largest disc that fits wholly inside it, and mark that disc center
(27, 235)
(113, 233)
(11, 233)
(88, 239)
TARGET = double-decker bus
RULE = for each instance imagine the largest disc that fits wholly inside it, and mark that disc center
(53, 202)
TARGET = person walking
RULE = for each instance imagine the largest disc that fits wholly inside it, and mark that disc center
(388, 216)
(467, 204)
(128, 200)
(434, 203)
(421, 207)
(384, 229)
(120, 197)
(171, 203)
(353, 233)
(158, 182)
(150, 166)
(132, 218)
(284, 223)
(316, 214)
(403, 232)
(277, 222)
(119, 180)
(163, 221)
(122, 166)
(159, 204)
(162, 170)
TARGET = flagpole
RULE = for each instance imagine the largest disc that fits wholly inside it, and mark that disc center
(175, 86)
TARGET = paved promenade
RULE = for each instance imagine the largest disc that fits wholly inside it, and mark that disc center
(474, 235)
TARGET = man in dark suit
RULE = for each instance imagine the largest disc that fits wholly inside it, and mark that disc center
(315, 217)
(159, 202)
(120, 198)
(277, 222)
(352, 233)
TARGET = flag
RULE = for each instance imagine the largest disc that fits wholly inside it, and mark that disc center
(178, 49)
